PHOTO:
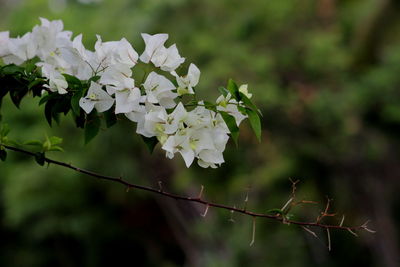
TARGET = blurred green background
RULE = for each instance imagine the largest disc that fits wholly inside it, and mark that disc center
(326, 74)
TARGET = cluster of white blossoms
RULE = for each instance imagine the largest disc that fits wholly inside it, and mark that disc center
(154, 104)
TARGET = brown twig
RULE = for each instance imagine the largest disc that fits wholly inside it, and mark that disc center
(199, 200)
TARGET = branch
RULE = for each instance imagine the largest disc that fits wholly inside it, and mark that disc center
(207, 204)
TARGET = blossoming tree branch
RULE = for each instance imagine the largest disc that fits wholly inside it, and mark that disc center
(52, 65)
(151, 90)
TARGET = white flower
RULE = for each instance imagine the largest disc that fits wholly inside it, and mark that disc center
(114, 52)
(57, 82)
(4, 40)
(48, 36)
(153, 122)
(119, 77)
(243, 89)
(153, 43)
(186, 83)
(127, 100)
(21, 49)
(167, 59)
(159, 90)
(229, 105)
(96, 98)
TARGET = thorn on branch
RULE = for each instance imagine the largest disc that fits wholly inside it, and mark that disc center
(253, 236)
(328, 234)
(294, 188)
(160, 188)
(231, 218)
(365, 227)
(287, 204)
(326, 213)
(309, 231)
(352, 232)
(205, 211)
(201, 192)
(341, 222)
(246, 199)
(127, 189)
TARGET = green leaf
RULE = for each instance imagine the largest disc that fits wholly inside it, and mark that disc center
(35, 83)
(72, 81)
(54, 140)
(48, 109)
(44, 99)
(75, 102)
(248, 103)
(255, 123)
(40, 158)
(56, 148)
(79, 120)
(30, 67)
(12, 69)
(94, 79)
(92, 126)
(150, 142)
(223, 91)
(3, 154)
(110, 118)
(210, 106)
(17, 92)
(4, 130)
(232, 126)
(233, 89)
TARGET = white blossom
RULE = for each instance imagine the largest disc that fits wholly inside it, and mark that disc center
(96, 98)
(187, 82)
(198, 133)
(159, 90)
(152, 43)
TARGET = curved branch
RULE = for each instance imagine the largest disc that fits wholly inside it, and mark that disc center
(160, 191)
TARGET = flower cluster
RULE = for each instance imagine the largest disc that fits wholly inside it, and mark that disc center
(195, 129)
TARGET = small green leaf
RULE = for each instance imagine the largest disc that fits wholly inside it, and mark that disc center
(94, 79)
(56, 148)
(150, 142)
(3, 154)
(232, 126)
(92, 126)
(233, 89)
(54, 140)
(255, 123)
(40, 158)
(4, 130)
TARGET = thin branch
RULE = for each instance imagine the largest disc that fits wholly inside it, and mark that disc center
(128, 185)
